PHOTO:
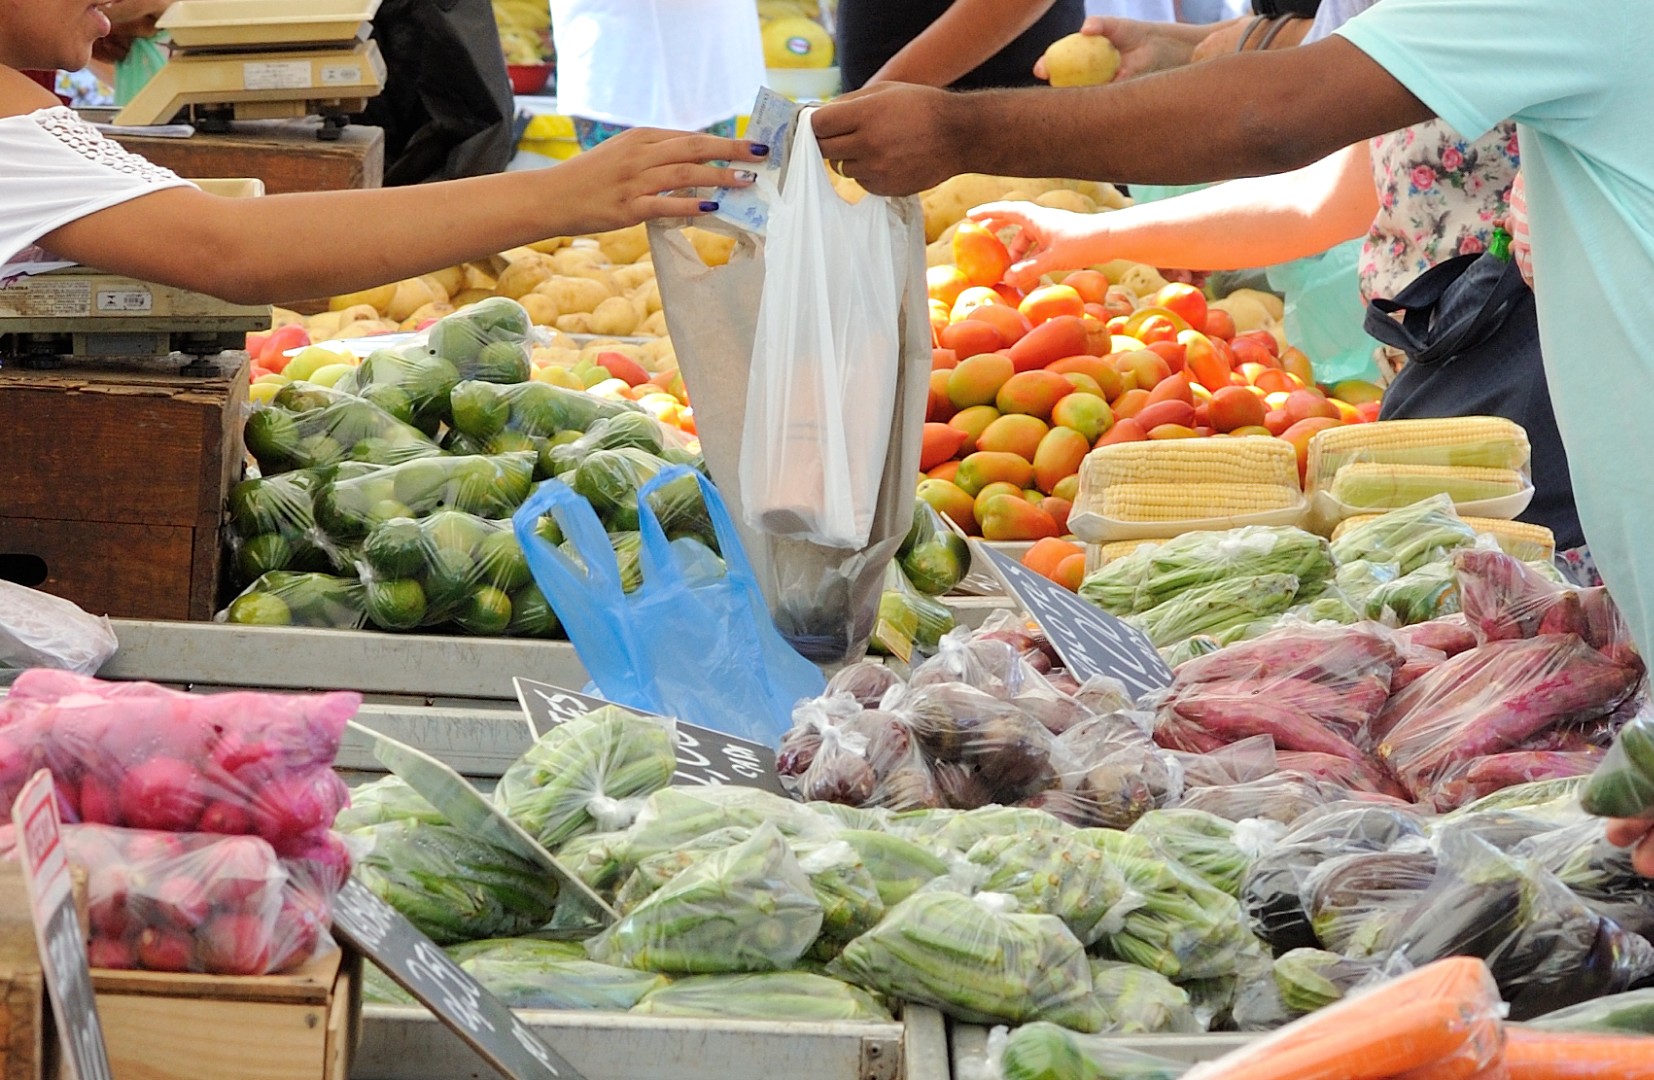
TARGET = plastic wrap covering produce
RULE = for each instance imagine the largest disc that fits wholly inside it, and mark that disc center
(1197, 559)
(1296, 984)
(389, 798)
(750, 907)
(1439, 1020)
(1110, 773)
(933, 556)
(1326, 608)
(911, 624)
(223, 905)
(1203, 843)
(1281, 798)
(487, 341)
(1218, 607)
(408, 383)
(1465, 729)
(1004, 755)
(1137, 1001)
(1505, 598)
(289, 598)
(348, 508)
(575, 779)
(657, 870)
(1248, 759)
(1057, 874)
(1184, 928)
(1273, 894)
(1355, 902)
(1430, 592)
(561, 426)
(1622, 785)
(1042, 1051)
(899, 867)
(977, 959)
(789, 996)
(1630, 1013)
(526, 973)
(451, 569)
(1425, 532)
(273, 525)
(452, 886)
(1311, 689)
(145, 757)
(1596, 871)
(41, 630)
(957, 831)
(308, 426)
(1545, 947)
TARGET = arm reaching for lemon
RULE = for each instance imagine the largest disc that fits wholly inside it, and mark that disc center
(1143, 47)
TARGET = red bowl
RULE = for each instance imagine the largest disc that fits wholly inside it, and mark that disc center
(528, 78)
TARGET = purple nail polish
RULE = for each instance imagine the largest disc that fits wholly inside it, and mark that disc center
(760, 149)
(708, 207)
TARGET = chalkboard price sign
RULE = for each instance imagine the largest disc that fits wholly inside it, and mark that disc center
(1089, 640)
(57, 929)
(704, 756)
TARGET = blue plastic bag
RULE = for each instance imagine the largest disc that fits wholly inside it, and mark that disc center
(689, 642)
(1325, 312)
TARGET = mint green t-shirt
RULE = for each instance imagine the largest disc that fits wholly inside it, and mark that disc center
(1576, 77)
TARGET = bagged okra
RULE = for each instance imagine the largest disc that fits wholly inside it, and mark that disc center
(1427, 531)
(656, 870)
(1201, 842)
(1041, 1051)
(575, 778)
(1296, 984)
(788, 996)
(849, 897)
(409, 384)
(287, 598)
(1056, 874)
(746, 908)
(308, 427)
(347, 509)
(1137, 1001)
(1204, 558)
(898, 867)
(389, 798)
(526, 973)
(1213, 608)
(977, 959)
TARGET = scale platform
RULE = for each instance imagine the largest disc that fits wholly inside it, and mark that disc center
(263, 60)
(86, 314)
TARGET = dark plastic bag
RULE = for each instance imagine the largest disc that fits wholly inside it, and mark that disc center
(689, 642)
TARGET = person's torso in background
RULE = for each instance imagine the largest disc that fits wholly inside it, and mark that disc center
(683, 64)
(1439, 195)
(1205, 12)
(870, 32)
(1146, 10)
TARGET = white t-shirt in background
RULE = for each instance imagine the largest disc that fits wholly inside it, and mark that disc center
(685, 64)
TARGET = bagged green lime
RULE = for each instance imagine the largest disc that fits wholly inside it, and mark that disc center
(410, 384)
(782, 996)
(487, 340)
(610, 479)
(345, 428)
(347, 509)
(272, 526)
(450, 569)
(285, 598)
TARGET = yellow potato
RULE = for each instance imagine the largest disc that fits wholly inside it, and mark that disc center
(614, 316)
(658, 355)
(471, 296)
(598, 274)
(713, 248)
(1143, 280)
(1064, 199)
(434, 310)
(1081, 60)
(568, 260)
(650, 294)
(630, 277)
(552, 355)
(478, 276)
(1271, 303)
(413, 294)
(560, 340)
(324, 326)
(280, 317)
(575, 294)
(578, 323)
(546, 247)
(542, 309)
(1246, 311)
(452, 279)
(523, 277)
(378, 298)
(624, 245)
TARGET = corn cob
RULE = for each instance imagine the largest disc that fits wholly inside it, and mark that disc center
(1489, 442)
(1099, 555)
(1193, 501)
(1246, 460)
(1383, 486)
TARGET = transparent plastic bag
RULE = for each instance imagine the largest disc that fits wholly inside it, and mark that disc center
(223, 905)
(1486, 703)
(1109, 774)
(1425, 532)
(561, 426)
(934, 557)
(605, 756)
(1042, 1051)
(980, 661)
(409, 383)
(746, 908)
(1057, 874)
(1216, 607)
(348, 508)
(822, 389)
(487, 341)
(1283, 798)
(977, 959)
(1596, 871)
(1202, 842)
(1296, 984)
(1202, 558)
(288, 598)
(787, 996)
(692, 641)
(1356, 901)
(1010, 755)
(389, 798)
(41, 630)
(1429, 592)
(911, 624)
(273, 526)
(142, 756)
(867, 682)
(1505, 598)
(526, 973)
(1622, 785)
(307, 427)
(1138, 1001)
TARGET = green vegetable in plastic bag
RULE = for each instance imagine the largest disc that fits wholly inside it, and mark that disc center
(487, 340)
(899, 867)
(849, 897)
(960, 830)
(273, 526)
(525, 973)
(1201, 558)
(975, 961)
(452, 886)
(388, 799)
(1200, 842)
(782, 996)
(1212, 609)
(910, 624)
(411, 385)
(1114, 586)
(748, 908)
(1429, 592)
(1630, 1013)
(933, 556)
(610, 479)
(567, 782)
(284, 598)
(1623, 784)
(1425, 532)
(1043, 1051)
(1056, 874)
(1189, 648)
(655, 871)
(345, 428)
(486, 487)
(1137, 1001)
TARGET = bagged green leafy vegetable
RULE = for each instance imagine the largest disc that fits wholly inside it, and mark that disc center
(783, 996)
(1204, 558)
(454, 887)
(525, 973)
(388, 799)
(1137, 1001)
(1042, 1051)
(572, 780)
(976, 960)
(285, 598)
(1427, 531)
(1214, 608)
(1056, 874)
(747, 908)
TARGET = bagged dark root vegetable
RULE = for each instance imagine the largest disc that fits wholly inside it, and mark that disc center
(1296, 984)
(866, 681)
(309, 427)
(145, 757)
(956, 723)
(223, 905)
(1355, 902)
(1110, 773)
(1283, 798)
(1506, 599)
(987, 665)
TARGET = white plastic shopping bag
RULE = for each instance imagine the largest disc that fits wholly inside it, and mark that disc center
(826, 359)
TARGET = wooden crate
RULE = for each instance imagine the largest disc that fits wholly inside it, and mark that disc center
(302, 1026)
(22, 987)
(115, 479)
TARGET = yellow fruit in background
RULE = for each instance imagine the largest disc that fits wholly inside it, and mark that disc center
(378, 299)
(797, 43)
(542, 309)
(713, 248)
(1081, 60)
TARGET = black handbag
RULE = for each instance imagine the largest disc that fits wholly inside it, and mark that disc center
(1470, 331)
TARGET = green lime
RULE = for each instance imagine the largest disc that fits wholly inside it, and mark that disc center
(478, 409)
(273, 438)
(449, 577)
(456, 339)
(396, 548)
(318, 451)
(503, 362)
(394, 400)
(451, 530)
(502, 562)
(354, 419)
(486, 612)
(396, 604)
(259, 609)
(262, 554)
(460, 444)
(421, 483)
(302, 397)
(512, 442)
(548, 530)
(500, 319)
(387, 510)
(255, 506)
(531, 615)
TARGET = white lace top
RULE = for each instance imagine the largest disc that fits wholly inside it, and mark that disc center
(56, 168)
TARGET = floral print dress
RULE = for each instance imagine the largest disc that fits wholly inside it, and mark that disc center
(1439, 195)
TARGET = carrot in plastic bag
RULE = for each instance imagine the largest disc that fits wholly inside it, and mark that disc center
(1556, 1055)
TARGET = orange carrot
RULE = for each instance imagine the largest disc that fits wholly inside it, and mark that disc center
(1382, 1044)
(1461, 979)
(1562, 1055)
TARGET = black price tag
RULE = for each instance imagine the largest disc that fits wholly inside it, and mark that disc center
(57, 929)
(1089, 640)
(704, 756)
(415, 963)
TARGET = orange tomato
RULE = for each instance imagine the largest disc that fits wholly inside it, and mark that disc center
(979, 254)
(1183, 299)
(970, 337)
(1049, 301)
(1092, 285)
(1010, 322)
(945, 283)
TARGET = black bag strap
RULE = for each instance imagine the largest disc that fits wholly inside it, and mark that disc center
(1420, 335)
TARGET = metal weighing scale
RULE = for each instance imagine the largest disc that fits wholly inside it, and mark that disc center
(263, 60)
(84, 314)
